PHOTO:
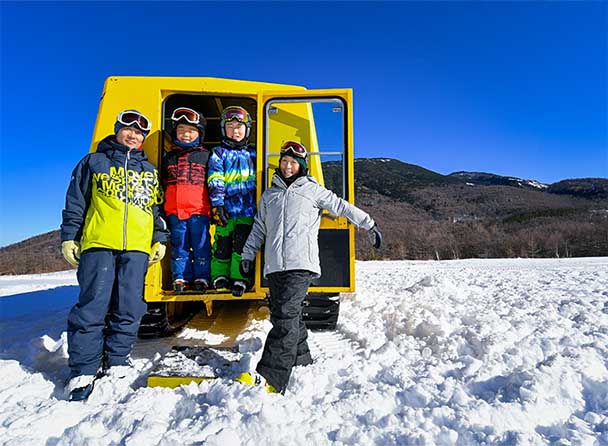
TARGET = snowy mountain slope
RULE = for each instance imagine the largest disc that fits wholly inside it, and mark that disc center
(482, 178)
(472, 352)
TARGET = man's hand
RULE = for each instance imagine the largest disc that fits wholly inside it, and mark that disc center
(375, 237)
(246, 268)
(158, 252)
(70, 250)
(219, 216)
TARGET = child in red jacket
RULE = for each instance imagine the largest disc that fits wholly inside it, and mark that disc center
(187, 201)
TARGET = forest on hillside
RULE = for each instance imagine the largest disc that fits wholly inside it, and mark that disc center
(424, 215)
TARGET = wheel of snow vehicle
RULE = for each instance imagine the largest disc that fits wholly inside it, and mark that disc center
(321, 311)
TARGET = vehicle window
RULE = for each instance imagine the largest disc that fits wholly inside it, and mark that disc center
(319, 124)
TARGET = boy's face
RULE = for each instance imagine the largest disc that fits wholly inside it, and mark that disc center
(235, 130)
(289, 166)
(130, 136)
(186, 133)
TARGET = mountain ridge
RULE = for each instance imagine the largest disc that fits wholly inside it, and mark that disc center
(460, 215)
(417, 176)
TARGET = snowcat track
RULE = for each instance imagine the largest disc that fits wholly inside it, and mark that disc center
(156, 323)
(321, 311)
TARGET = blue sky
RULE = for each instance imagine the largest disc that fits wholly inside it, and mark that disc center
(510, 88)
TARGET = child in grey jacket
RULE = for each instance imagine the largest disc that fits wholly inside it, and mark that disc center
(287, 222)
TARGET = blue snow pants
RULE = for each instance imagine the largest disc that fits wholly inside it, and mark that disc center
(190, 248)
(110, 306)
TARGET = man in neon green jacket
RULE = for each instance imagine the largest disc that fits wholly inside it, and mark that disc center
(111, 230)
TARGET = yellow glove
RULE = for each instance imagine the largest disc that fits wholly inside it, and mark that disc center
(71, 251)
(158, 252)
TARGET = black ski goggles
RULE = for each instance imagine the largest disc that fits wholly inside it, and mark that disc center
(130, 117)
(294, 149)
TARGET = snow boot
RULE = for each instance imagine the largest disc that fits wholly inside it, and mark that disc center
(220, 282)
(255, 379)
(179, 285)
(201, 285)
(238, 288)
(80, 387)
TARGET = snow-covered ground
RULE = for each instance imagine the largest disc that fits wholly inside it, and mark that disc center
(473, 352)
(10, 285)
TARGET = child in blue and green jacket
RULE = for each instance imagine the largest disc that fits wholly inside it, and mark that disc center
(231, 180)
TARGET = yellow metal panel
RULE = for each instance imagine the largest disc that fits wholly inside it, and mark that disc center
(172, 382)
(158, 295)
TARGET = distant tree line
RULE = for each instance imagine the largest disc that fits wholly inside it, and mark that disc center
(438, 223)
(39, 254)
(574, 236)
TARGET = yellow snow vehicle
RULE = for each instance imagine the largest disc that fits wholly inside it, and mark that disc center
(321, 119)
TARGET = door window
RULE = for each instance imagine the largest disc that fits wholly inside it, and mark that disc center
(319, 124)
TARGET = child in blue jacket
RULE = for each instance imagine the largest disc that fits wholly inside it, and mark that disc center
(231, 179)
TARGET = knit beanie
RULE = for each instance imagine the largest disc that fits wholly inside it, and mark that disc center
(301, 162)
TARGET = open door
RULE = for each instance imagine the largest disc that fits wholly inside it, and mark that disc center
(322, 121)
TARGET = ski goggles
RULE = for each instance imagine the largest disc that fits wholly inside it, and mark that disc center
(236, 113)
(186, 113)
(130, 117)
(294, 149)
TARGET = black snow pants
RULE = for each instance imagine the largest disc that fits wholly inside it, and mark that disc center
(110, 307)
(286, 344)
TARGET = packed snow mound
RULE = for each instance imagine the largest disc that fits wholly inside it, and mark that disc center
(473, 352)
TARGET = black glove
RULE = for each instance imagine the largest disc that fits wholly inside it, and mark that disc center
(246, 268)
(219, 215)
(375, 237)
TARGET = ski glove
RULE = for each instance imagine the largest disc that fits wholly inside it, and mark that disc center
(375, 237)
(246, 268)
(158, 252)
(219, 215)
(70, 250)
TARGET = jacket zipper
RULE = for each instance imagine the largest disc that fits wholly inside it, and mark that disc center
(124, 227)
(284, 227)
